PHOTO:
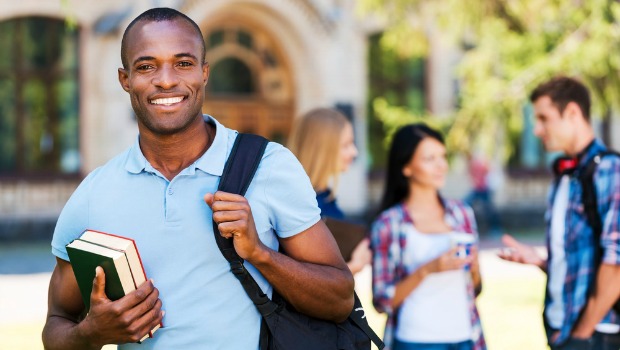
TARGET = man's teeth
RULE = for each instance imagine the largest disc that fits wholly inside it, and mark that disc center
(167, 101)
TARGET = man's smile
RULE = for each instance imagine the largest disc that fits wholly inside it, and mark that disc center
(168, 101)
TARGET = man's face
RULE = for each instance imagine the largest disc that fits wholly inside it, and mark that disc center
(554, 129)
(165, 76)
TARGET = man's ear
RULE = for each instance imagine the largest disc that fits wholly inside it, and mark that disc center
(573, 110)
(123, 78)
(205, 73)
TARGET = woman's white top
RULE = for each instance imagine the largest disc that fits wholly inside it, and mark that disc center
(437, 311)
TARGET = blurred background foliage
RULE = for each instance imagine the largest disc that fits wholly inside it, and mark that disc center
(506, 48)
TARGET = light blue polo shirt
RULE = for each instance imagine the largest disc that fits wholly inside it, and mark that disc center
(206, 307)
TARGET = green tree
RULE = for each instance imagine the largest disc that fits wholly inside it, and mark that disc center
(507, 48)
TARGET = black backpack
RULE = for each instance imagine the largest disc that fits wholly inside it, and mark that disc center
(283, 327)
(590, 207)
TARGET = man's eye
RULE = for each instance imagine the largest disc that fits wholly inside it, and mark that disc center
(185, 64)
(144, 67)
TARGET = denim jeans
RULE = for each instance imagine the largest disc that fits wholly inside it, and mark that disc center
(400, 345)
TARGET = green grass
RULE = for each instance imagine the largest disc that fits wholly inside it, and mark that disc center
(511, 313)
(26, 337)
(21, 336)
(510, 307)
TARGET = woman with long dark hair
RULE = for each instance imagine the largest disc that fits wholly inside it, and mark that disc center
(424, 277)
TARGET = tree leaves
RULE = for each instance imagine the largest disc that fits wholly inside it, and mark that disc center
(509, 46)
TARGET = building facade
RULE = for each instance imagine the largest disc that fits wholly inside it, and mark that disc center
(63, 112)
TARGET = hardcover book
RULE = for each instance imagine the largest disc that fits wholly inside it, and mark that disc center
(119, 258)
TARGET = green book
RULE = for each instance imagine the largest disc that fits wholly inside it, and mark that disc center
(86, 256)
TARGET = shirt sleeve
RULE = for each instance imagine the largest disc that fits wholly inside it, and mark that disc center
(383, 264)
(291, 198)
(73, 220)
(607, 180)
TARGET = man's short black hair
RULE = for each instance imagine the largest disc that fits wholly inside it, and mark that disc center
(159, 14)
(561, 91)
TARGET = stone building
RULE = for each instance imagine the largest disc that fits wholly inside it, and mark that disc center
(63, 112)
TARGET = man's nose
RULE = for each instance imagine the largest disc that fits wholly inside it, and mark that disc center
(166, 77)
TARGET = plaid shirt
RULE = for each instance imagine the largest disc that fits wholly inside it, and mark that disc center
(578, 245)
(388, 240)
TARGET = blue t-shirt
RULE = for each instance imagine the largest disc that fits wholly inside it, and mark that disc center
(328, 205)
(206, 307)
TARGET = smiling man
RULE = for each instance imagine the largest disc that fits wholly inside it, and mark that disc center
(583, 278)
(161, 192)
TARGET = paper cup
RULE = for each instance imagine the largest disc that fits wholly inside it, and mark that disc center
(464, 243)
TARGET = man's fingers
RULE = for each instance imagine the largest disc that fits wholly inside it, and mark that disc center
(220, 205)
(509, 241)
(228, 197)
(98, 292)
(229, 216)
(148, 313)
(209, 199)
(152, 317)
(139, 295)
(229, 229)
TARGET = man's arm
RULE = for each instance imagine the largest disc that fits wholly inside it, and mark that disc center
(521, 253)
(108, 322)
(600, 302)
(312, 276)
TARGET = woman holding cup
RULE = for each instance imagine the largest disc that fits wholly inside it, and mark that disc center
(425, 259)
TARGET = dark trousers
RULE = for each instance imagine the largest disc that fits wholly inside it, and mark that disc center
(598, 341)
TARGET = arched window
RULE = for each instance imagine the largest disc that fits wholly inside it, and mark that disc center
(231, 76)
(39, 98)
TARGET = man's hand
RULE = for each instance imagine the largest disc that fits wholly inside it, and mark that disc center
(312, 276)
(234, 219)
(520, 253)
(126, 320)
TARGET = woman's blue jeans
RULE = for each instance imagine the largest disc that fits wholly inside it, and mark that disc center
(466, 345)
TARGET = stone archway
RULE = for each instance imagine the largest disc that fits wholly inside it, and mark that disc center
(250, 88)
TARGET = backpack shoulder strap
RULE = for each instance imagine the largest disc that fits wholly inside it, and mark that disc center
(242, 163)
(588, 194)
(238, 173)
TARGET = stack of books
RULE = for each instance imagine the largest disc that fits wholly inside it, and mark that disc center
(119, 258)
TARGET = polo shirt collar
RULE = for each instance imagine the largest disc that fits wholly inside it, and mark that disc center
(211, 162)
(214, 159)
